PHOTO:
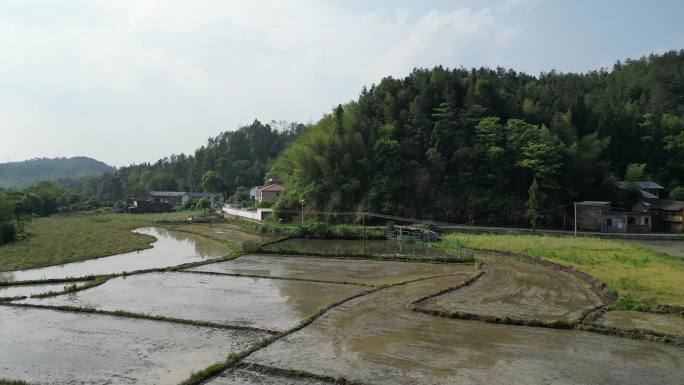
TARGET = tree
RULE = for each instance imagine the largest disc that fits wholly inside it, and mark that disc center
(211, 181)
(534, 204)
(677, 193)
(203, 204)
(635, 172)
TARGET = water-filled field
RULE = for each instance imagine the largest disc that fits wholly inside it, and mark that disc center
(335, 270)
(170, 249)
(350, 247)
(272, 304)
(309, 320)
(54, 347)
(28, 290)
(376, 339)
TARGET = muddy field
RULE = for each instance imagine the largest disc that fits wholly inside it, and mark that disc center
(272, 304)
(171, 248)
(52, 347)
(375, 339)
(369, 331)
(246, 376)
(335, 270)
(660, 323)
(518, 290)
(234, 233)
(343, 247)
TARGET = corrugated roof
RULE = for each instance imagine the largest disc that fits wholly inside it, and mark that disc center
(167, 193)
(594, 203)
(273, 187)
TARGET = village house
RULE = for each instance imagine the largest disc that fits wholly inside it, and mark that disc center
(601, 217)
(140, 206)
(268, 193)
(648, 189)
(177, 198)
(668, 215)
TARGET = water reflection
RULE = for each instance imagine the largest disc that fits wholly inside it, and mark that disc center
(171, 248)
(244, 301)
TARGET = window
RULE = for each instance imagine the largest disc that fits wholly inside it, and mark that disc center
(609, 222)
(631, 220)
(645, 220)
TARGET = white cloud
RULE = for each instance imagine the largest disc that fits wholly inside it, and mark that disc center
(134, 80)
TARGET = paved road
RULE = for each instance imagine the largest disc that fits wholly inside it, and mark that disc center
(486, 229)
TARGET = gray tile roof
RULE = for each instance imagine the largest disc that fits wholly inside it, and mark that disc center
(664, 204)
(642, 185)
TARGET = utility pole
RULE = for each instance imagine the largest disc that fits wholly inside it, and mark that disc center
(302, 201)
(575, 204)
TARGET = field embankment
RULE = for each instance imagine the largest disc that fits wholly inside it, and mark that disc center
(641, 277)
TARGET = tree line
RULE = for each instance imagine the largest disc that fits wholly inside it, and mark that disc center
(488, 146)
(492, 145)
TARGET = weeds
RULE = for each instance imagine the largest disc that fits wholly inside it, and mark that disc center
(641, 277)
(12, 382)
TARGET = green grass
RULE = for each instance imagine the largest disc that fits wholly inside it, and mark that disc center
(642, 278)
(12, 382)
(69, 238)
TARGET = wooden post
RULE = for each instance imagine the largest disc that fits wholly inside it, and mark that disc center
(364, 232)
(575, 204)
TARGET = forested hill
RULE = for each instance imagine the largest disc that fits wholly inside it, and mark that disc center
(230, 162)
(21, 174)
(467, 145)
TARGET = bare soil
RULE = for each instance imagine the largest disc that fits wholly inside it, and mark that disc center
(630, 320)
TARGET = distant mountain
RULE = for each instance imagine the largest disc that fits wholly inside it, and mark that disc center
(22, 174)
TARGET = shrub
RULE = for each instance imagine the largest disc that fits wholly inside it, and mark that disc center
(316, 230)
(561, 324)
(8, 233)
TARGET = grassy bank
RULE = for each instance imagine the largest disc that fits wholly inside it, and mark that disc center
(61, 239)
(642, 278)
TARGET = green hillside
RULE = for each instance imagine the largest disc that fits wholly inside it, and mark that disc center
(18, 175)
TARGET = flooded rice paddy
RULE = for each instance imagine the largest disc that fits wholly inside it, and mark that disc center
(376, 339)
(234, 233)
(29, 290)
(171, 248)
(53, 347)
(336, 270)
(629, 320)
(519, 290)
(371, 337)
(344, 247)
(272, 304)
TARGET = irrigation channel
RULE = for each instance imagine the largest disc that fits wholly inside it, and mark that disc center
(305, 319)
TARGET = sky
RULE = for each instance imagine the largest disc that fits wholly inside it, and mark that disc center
(130, 81)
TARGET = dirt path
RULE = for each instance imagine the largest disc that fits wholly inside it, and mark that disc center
(675, 248)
